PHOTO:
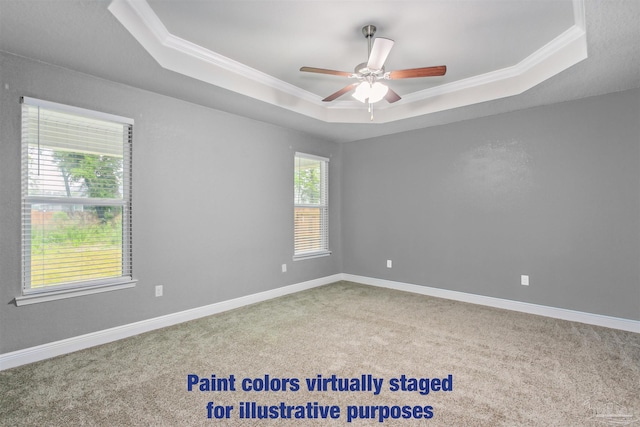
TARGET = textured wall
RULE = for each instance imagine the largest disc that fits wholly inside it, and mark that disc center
(551, 192)
(213, 206)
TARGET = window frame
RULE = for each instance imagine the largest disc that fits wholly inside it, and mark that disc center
(322, 206)
(89, 286)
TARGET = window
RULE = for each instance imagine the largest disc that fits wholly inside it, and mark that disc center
(76, 199)
(311, 206)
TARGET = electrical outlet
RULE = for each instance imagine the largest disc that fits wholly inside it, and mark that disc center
(389, 263)
(524, 280)
(158, 290)
(284, 268)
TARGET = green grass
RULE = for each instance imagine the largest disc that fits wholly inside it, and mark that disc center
(74, 247)
(87, 263)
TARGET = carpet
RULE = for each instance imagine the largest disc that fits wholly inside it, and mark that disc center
(337, 355)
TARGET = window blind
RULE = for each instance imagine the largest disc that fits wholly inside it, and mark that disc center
(76, 197)
(311, 206)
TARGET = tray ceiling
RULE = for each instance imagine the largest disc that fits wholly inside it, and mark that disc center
(244, 56)
(492, 49)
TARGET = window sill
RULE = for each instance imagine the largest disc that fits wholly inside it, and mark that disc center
(70, 293)
(311, 255)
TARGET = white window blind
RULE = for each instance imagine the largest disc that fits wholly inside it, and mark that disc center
(311, 206)
(76, 197)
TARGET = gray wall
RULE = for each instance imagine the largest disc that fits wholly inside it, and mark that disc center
(213, 206)
(552, 192)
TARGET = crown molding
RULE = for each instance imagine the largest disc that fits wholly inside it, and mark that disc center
(142, 22)
(187, 58)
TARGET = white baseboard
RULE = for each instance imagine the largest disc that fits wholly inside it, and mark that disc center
(69, 345)
(541, 310)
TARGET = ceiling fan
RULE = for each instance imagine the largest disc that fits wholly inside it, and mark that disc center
(368, 88)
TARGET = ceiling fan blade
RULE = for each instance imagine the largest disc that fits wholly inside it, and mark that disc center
(391, 96)
(379, 52)
(418, 72)
(325, 71)
(340, 92)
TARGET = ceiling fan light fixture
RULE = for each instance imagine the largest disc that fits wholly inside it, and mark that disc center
(362, 91)
(378, 91)
(374, 92)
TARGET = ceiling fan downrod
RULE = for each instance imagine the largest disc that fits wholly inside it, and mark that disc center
(368, 31)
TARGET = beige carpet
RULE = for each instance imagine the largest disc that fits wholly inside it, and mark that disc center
(502, 368)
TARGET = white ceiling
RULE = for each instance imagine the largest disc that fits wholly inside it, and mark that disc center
(243, 56)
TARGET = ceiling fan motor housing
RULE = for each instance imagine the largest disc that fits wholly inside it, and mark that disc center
(363, 70)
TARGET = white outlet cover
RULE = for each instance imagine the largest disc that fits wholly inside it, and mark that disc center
(159, 290)
(389, 263)
(524, 280)
(284, 268)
